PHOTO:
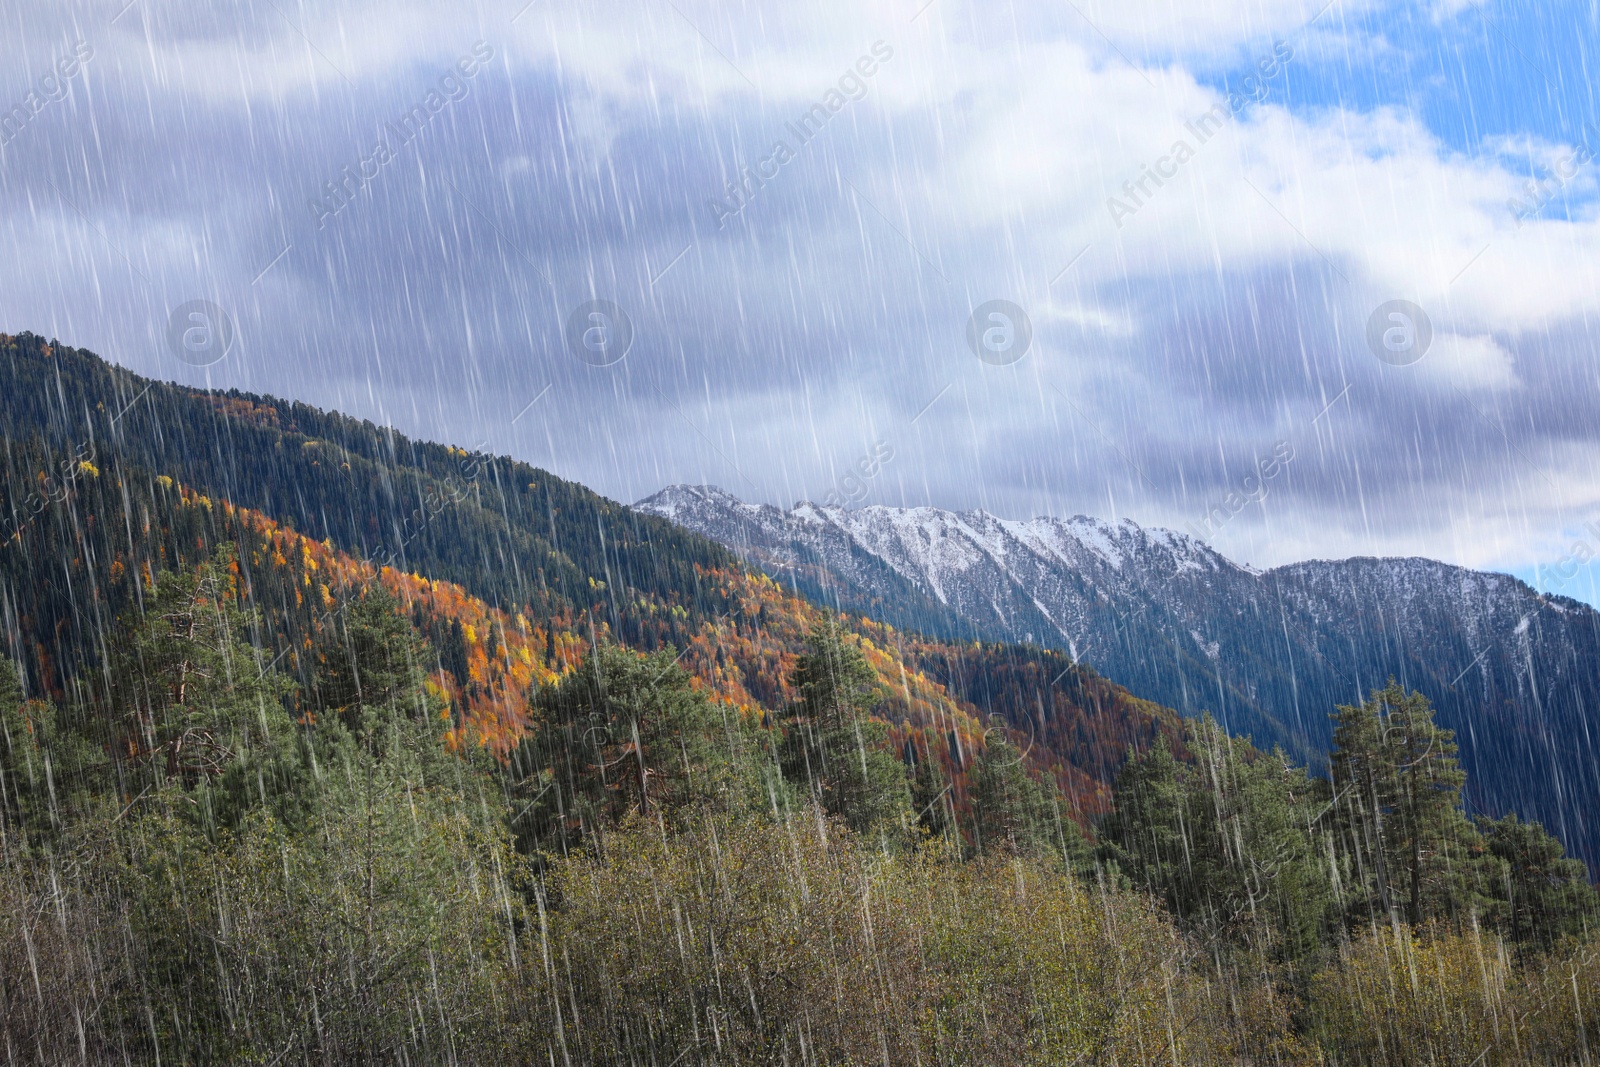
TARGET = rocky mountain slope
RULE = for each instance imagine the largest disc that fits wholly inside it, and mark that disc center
(1514, 672)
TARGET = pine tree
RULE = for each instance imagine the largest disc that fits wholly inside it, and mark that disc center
(1146, 835)
(930, 792)
(626, 733)
(1362, 777)
(1432, 832)
(27, 776)
(452, 652)
(371, 665)
(835, 749)
(1258, 825)
(1398, 787)
(1012, 813)
(1232, 841)
(1543, 895)
(192, 704)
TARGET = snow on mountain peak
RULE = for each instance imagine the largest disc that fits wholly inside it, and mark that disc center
(672, 501)
(1268, 652)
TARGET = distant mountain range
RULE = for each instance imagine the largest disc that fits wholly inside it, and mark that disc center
(1514, 672)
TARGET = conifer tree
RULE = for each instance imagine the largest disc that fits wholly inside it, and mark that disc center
(1362, 775)
(192, 704)
(930, 792)
(1146, 834)
(371, 665)
(1543, 895)
(835, 749)
(27, 775)
(1012, 813)
(1259, 824)
(1407, 843)
(1233, 841)
(626, 733)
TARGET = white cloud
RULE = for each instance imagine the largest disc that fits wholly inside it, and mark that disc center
(1209, 32)
(1091, 318)
(1473, 363)
(992, 141)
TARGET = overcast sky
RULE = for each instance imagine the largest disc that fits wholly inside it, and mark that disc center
(1192, 309)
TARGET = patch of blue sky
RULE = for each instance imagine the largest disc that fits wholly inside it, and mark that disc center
(1514, 84)
(1581, 582)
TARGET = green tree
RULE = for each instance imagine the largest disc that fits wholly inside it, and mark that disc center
(22, 758)
(930, 792)
(371, 666)
(834, 748)
(191, 704)
(28, 734)
(1261, 823)
(1362, 774)
(629, 733)
(1233, 841)
(1011, 813)
(1407, 844)
(378, 928)
(1544, 896)
(1146, 836)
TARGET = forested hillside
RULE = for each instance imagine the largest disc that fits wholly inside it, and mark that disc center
(545, 797)
(511, 534)
(494, 558)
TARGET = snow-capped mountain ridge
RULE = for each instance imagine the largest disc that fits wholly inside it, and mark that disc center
(1269, 652)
